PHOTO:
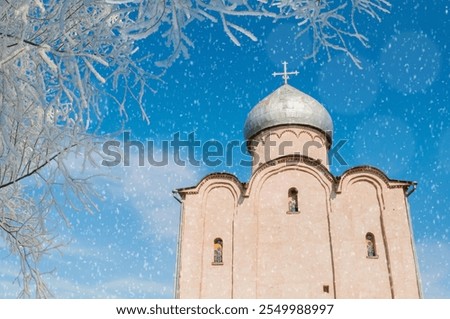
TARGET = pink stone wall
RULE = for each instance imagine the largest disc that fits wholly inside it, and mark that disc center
(356, 212)
(294, 253)
(270, 253)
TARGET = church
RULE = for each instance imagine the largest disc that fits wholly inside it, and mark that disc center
(294, 230)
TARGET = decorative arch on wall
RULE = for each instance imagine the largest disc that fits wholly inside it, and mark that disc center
(268, 136)
(289, 162)
(372, 175)
(216, 180)
(362, 175)
(308, 133)
(381, 184)
(279, 132)
(297, 130)
(321, 140)
(233, 190)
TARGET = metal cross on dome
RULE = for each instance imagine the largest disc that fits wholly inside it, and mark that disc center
(285, 73)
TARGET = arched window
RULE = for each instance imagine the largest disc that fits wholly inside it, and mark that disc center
(293, 200)
(370, 244)
(218, 251)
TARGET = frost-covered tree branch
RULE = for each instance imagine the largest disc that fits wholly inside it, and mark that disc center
(331, 24)
(59, 58)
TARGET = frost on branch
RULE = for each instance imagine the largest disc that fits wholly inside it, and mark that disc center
(331, 24)
(57, 58)
(54, 58)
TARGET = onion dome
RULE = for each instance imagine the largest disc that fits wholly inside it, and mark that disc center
(288, 106)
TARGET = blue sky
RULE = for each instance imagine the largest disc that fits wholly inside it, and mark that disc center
(394, 115)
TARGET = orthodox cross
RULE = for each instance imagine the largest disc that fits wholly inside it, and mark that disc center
(285, 73)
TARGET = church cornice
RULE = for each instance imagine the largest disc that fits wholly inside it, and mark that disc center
(295, 159)
(291, 160)
(220, 177)
(337, 182)
(366, 170)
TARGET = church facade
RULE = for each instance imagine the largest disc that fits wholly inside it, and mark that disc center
(295, 230)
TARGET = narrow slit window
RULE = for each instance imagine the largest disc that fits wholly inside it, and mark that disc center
(370, 244)
(218, 251)
(293, 200)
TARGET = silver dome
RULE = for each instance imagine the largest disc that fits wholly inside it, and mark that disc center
(287, 105)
